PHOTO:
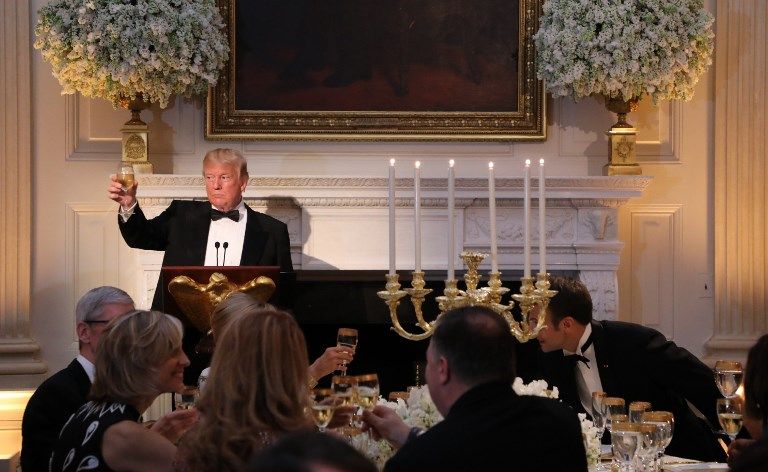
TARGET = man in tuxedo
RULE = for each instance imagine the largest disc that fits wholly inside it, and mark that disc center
(223, 231)
(581, 355)
(64, 392)
(487, 426)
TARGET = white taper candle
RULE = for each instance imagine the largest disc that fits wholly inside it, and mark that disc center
(417, 211)
(392, 248)
(527, 219)
(492, 215)
(542, 221)
(451, 223)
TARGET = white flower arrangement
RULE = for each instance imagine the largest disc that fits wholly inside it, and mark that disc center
(624, 49)
(419, 410)
(118, 49)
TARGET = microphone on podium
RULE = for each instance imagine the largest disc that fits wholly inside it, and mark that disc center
(216, 245)
(224, 259)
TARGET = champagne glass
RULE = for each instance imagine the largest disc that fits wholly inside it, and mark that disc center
(729, 411)
(125, 175)
(367, 390)
(346, 337)
(613, 406)
(343, 387)
(636, 409)
(728, 376)
(665, 421)
(323, 406)
(625, 439)
(187, 397)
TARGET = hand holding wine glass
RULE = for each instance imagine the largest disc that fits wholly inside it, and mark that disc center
(347, 338)
(123, 185)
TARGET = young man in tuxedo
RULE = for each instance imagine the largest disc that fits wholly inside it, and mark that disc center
(582, 355)
(487, 426)
(223, 231)
(64, 392)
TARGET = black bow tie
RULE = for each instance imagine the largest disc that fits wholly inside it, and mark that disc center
(575, 358)
(216, 215)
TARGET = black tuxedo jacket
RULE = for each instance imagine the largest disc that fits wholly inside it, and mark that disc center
(492, 428)
(48, 409)
(639, 364)
(182, 232)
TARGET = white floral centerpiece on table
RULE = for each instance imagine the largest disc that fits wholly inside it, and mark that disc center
(419, 410)
(121, 50)
(624, 49)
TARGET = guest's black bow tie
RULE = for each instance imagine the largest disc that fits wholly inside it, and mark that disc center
(574, 358)
(216, 215)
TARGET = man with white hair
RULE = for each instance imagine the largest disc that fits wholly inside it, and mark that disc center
(64, 392)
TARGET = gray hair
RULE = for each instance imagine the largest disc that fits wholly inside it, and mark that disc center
(228, 156)
(90, 305)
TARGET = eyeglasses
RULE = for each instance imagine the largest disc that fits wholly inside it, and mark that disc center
(96, 321)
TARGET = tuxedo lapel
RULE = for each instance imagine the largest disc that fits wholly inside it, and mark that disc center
(604, 356)
(255, 239)
(198, 222)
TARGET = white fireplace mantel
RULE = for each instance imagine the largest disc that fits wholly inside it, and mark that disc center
(342, 223)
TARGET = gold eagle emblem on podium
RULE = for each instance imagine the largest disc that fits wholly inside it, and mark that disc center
(197, 301)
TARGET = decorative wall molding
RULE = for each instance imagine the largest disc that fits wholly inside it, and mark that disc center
(741, 141)
(604, 289)
(18, 351)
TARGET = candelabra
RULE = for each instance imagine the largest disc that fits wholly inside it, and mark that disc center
(530, 296)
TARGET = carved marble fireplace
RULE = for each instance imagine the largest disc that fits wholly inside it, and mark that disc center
(341, 223)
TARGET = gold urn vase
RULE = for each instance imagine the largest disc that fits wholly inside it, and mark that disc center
(135, 131)
(622, 139)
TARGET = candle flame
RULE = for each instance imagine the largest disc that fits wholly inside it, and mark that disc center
(541, 162)
(490, 165)
(418, 164)
(450, 163)
(392, 162)
(527, 163)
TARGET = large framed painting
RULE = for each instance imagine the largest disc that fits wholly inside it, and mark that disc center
(393, 70)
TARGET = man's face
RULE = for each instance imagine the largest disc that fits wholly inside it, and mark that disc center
(89, 332)
(223, 185)
(551, 337)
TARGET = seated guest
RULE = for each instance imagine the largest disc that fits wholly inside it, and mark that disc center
(138, 358)
(332, 359)
(64, 392)
(307, 451)
(256, 393)
(582, 355)
(487, 426)
(751, 455)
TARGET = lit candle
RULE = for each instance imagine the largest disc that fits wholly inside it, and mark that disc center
(492, 211)
(451, 223)
(417, 210)
(542, 221)
(392, 250)
(527, 219)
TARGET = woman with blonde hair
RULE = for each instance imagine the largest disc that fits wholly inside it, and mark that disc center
(257, 392)
(138, 357)
(238, 303)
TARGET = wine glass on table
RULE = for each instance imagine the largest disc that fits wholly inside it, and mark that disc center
(125, 175)
(729, 412)
(728, 376)
(323, 406)
(347, 338)
(665, 421)
(636, 409)
(599, 414)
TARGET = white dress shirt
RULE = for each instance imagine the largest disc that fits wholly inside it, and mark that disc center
(587, 377)
(90, 369)
(231, 232)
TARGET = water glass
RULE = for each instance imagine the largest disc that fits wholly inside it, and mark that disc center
(625, 440)
(636, 409)
(613, 406)
(665, 421)
(648, 448)
(728, 376)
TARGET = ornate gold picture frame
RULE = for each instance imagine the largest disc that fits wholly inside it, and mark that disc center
(427, 70)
